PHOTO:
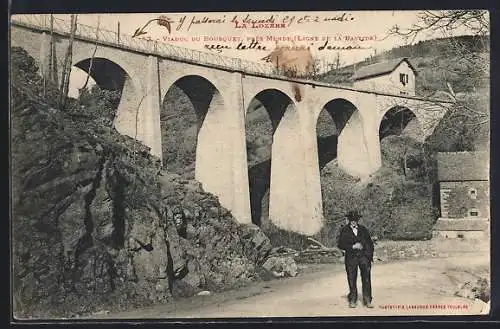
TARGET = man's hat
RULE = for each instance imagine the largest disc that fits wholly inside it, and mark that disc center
(353, 215)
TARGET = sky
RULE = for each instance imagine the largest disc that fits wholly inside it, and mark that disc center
(334, 26)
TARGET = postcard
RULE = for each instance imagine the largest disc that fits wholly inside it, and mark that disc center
(250, 164)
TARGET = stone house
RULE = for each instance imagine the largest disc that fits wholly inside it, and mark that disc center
(395, 76)
(464, 195)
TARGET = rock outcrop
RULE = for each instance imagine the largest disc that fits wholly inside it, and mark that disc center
(93, 217)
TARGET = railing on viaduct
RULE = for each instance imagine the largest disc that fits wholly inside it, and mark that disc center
(161, 49)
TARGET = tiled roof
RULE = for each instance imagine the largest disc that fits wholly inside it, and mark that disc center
(463, 166)
(461, 225)
(380, 68)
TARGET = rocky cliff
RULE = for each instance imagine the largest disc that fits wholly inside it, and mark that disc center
(96, 223)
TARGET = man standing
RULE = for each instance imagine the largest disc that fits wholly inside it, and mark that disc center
(357, 243)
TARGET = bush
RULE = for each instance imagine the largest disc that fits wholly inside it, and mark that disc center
(412, 215)
(395, 205)
(100, 103)
(280, 237)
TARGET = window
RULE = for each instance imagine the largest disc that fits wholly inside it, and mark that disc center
(403, 78)
(473, 212)
(473, 193)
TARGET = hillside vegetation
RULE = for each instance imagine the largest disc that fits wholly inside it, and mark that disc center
(434, 61)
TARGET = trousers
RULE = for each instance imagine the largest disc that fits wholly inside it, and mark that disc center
(351, 267)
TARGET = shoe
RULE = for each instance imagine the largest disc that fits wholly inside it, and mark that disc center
(352, 304)
(369, 305)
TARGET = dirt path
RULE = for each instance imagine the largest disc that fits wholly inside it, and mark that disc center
(323, 293)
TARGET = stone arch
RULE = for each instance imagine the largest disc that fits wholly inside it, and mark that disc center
(264, 114)
(111, 75)
(347, 140)
(288, 175)
(170, 72)
(106, 73)
(192, 124)
(262, 87)
(338, 118)
(330, 124)
(400, 120)
(112, 59)
(401, 136)
(274, 101)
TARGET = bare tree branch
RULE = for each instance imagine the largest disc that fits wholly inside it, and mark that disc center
(467, 64)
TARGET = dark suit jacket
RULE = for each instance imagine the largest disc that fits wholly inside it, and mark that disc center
(347, 239)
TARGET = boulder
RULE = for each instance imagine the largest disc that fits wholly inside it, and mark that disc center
(281, 266)
(256, 243)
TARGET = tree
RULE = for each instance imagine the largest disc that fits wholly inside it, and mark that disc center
(446, 21)
(338, 63)
(93, 56)
(66, 71)
(469, 64)
(314, 70)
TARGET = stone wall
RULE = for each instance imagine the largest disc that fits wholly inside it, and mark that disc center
(458, 199)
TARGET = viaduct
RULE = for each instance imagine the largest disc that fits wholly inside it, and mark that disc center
(221, 90)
